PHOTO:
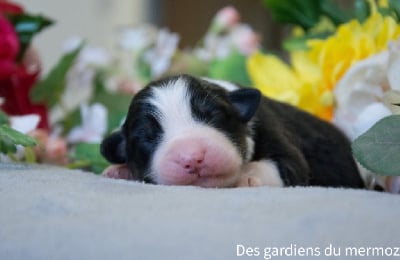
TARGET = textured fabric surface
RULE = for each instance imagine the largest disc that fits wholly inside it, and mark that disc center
(54, 213)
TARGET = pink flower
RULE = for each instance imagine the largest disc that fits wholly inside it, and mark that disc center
(225, 19)
(245, 39)
(50, 149)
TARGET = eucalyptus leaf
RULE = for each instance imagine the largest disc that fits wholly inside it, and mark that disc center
(378, 149)
(50, 89)
(10, 138)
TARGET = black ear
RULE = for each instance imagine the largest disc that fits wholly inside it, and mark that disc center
(113, 148)
(246, 102)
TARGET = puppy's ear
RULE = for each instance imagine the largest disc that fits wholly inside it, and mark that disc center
(246, 102)
(113, 148)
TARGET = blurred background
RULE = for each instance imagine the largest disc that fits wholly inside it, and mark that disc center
(97, 21)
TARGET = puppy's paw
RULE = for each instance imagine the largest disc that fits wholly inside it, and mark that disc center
(249, 181)
(392, 184)
(260, 173)
(117, 171)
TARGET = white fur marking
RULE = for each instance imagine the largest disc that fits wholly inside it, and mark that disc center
(260, 173)
(173, 104)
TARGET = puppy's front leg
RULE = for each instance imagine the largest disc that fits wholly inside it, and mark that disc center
(260, 173)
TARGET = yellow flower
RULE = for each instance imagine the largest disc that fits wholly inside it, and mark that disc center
(296, 85)
(313, 74)
(351, 43)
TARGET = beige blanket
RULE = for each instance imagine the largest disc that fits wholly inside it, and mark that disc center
(54, 213)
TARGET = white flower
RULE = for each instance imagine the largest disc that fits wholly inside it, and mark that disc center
(216, 46)
(159, 57)
(94, 125)
(137, 38)
(240, 37)
(79, 80)
(360, 94)
(25, 123)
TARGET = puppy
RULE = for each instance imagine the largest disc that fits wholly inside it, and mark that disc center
(184, 130)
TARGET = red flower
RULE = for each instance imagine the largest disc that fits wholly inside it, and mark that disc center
(10, 8)
(16, 80)
(15, 89)
(9, 44)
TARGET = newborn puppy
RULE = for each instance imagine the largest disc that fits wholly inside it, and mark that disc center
(184, 130)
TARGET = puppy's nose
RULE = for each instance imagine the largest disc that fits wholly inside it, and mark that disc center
(189, 154)
(192, 161)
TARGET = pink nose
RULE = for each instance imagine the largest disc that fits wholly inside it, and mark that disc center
(191, 161)
(189, 155)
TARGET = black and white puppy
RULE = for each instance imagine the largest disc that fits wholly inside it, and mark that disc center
(183, 130)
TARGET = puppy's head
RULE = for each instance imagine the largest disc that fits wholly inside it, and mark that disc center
(185, 131)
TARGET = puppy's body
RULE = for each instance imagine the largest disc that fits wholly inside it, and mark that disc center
(188, 131)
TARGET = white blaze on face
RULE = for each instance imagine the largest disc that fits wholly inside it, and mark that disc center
(190, 152)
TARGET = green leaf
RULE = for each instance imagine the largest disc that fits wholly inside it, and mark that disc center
(232, 68)
(117, 104)
(88, 156)
(362, 11)
(394, 6)
(50, 89)
(300, 42)
(3, 118)
(335, 13)
(378, 149)
(10, 138)
(27, 26)
(305, 13)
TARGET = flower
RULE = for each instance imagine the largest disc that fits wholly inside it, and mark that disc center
(296, 85)
(225, 19)
(245, 39)
(17, 78)
(363, 93)
(351, 43)
(7, 7)
(308, 83)
(50, 149)
(227, 35)
(25, 123)
(94, 125)
(159, 57)
(9, 44)
(137, 38)
(80, 77)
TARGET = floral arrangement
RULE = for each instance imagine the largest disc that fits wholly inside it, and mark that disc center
(342, 68)
(19, 70)
(106, 82)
